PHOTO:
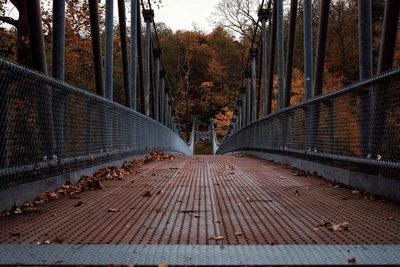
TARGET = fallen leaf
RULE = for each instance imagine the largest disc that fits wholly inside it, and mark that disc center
(147, 194)
(238, 233)
(352, 260)
(336, 186)
(158, 192)
(355, 192)
(196, 215)
(98, 185)
(78, 203)
(17, 211)
(344, 226)
(216, 238)
(46, 242)
(58, 240)
(113, 210)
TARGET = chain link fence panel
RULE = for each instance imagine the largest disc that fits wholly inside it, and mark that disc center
(49, 128)
(357, 126)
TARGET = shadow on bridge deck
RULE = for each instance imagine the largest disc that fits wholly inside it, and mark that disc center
(211, 200)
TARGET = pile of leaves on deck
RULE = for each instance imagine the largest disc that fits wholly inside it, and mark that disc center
(87, 183)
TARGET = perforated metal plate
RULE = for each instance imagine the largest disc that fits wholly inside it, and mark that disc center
(199, 255)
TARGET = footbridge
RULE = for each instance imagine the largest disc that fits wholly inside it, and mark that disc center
(87, 181)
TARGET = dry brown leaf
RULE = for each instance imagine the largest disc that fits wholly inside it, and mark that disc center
(352, 260)
(344, 226)
(113, 210)
(58, 240)
(238, 233)
(147, 194)
(216, 238)
(78, 203)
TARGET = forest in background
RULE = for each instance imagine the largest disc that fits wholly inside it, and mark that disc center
(204, 70)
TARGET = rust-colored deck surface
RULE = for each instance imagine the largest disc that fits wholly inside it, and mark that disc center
(210, 200)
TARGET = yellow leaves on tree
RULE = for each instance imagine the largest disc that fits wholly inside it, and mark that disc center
(222, 121)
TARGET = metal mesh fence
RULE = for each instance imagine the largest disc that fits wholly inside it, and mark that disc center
(49, 128)
(359, 124)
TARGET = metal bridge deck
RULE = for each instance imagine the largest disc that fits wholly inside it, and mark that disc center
(210, 200)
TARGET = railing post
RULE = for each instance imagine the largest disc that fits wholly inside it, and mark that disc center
(365, 68)
(133, 63)
(281, 52)
(58, 67)
(308, 49)
(45, 111)
(263, 16)
(58, 58)
(166, 98)
(247, 76)
(96, 46)
(162, 97)
(271, 61)
(109, 49)
(386, 57)
(148, 15)
(314, 111)
(321, 47)
(244, 105)
(253, 55)
(124, 52)
(169, 111)
(157, 54)
(239, 104)
(290, 48)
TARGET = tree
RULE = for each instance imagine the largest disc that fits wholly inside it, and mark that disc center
(239, 17)
(21, 26)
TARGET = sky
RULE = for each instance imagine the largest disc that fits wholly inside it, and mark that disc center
(176, 14)
(183, 14)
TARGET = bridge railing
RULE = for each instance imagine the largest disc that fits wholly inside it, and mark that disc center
(357, 125)
(49, 128)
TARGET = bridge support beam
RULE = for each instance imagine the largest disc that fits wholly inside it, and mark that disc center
(148, 17)
(96, 46)
(253, 55)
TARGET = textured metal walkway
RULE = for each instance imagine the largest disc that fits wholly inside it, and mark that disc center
(209, 200)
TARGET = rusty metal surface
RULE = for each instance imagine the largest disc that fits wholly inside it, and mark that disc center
(195, 200)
